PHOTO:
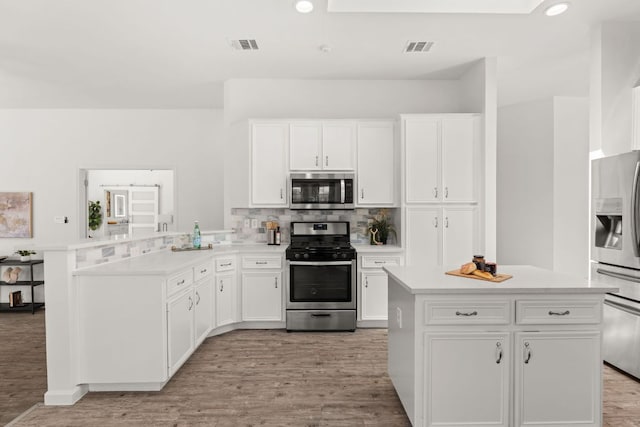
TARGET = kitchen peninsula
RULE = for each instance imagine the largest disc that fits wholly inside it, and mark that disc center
(525, 351)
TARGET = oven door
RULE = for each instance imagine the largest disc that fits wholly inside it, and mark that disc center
(322, 285)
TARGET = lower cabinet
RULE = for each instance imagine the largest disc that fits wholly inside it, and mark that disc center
(372, 284)
(262, 288)
(204, 308)
(226, 311)
(467, 379)
(557, 378)
(181, 331)
(262, 296)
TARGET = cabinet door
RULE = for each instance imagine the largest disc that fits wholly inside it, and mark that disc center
(466, 379)
(305, 146)
(225, 299)
(181, 329)
(204, 308)
(458, 158)
(338, 145)
(557, 379)
(421, 157)
(269, 164)
(374, 296)
(459, 239)
(423, 236)
(262, 296)
(376, 164)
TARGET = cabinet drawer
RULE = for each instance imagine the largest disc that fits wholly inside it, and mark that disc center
(378, 261)
(225, 264)
(202, 270)
(261, 262)
(467, 312)
(179, 281)
(558, 312)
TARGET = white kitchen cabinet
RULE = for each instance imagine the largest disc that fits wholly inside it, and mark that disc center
(376, 163)
(557, 378)
(262, 296)
(322, 145)
(372, 285)
(441, 236)
(269, 142)
(180, 316)
(374, 296)
(204, 308)
(226, 310)
(467, 377)
(441, 157)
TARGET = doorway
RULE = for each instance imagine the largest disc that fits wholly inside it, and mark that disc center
(132, 202)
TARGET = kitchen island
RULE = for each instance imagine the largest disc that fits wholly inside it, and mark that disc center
(525, 351)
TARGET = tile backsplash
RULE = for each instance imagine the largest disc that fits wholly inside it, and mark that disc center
(358, 220)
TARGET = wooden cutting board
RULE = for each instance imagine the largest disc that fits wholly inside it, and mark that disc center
(497, 279)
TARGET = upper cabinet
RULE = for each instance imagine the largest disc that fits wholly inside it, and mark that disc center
(322, 145)
(269, 143)
(441, 157)
(376, 163)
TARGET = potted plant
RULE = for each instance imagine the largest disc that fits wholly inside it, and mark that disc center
(95, 215)
(25, 254)
(380, 227)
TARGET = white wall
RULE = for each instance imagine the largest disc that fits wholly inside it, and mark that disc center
(615, 70)
(543, 184)
(525, 184)
(44, 149)
(571, 186)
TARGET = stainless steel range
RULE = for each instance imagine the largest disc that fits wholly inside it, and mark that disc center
(321, 288)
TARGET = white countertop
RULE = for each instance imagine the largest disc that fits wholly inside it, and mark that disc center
(364, 247)
(526, 279)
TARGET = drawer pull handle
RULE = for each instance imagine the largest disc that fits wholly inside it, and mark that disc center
(276, 281)
(527, 352)
(380, 262)
(320, 314)
(181, 282)
(228, 264)
(558, 313)
(221, 286)
(203, 271)
(499, 350)
(261, 262)
(435, 192)
(460, 313)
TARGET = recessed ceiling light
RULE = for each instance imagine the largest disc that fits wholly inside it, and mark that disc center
(304, 6)
(556, 9)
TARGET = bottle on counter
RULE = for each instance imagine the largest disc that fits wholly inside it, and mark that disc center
(196, 236)
(278, 236)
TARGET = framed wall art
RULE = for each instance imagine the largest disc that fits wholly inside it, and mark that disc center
(16, 214)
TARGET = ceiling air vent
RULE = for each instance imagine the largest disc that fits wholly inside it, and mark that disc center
(413, 46)
(244, 44)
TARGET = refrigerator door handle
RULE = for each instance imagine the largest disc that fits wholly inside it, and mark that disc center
(618, 275)
(634, 211)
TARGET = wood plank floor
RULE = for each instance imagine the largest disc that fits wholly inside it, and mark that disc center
(244, 378)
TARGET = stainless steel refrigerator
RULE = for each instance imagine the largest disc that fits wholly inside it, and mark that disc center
(615, 252)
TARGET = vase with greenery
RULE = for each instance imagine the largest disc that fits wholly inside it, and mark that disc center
(95, 215)
(25, 254)
(380, 228)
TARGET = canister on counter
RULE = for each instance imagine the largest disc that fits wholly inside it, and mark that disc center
(491, 267)
(478, 260)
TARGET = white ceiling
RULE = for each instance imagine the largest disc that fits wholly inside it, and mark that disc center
(176, 53)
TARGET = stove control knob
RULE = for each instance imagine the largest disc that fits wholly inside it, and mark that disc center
(296, 256)
(335, 256)
(306, 256)
(344, 255)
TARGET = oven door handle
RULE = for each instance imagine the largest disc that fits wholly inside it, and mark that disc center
(329, 263)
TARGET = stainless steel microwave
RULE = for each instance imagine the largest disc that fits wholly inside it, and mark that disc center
(321, 190)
